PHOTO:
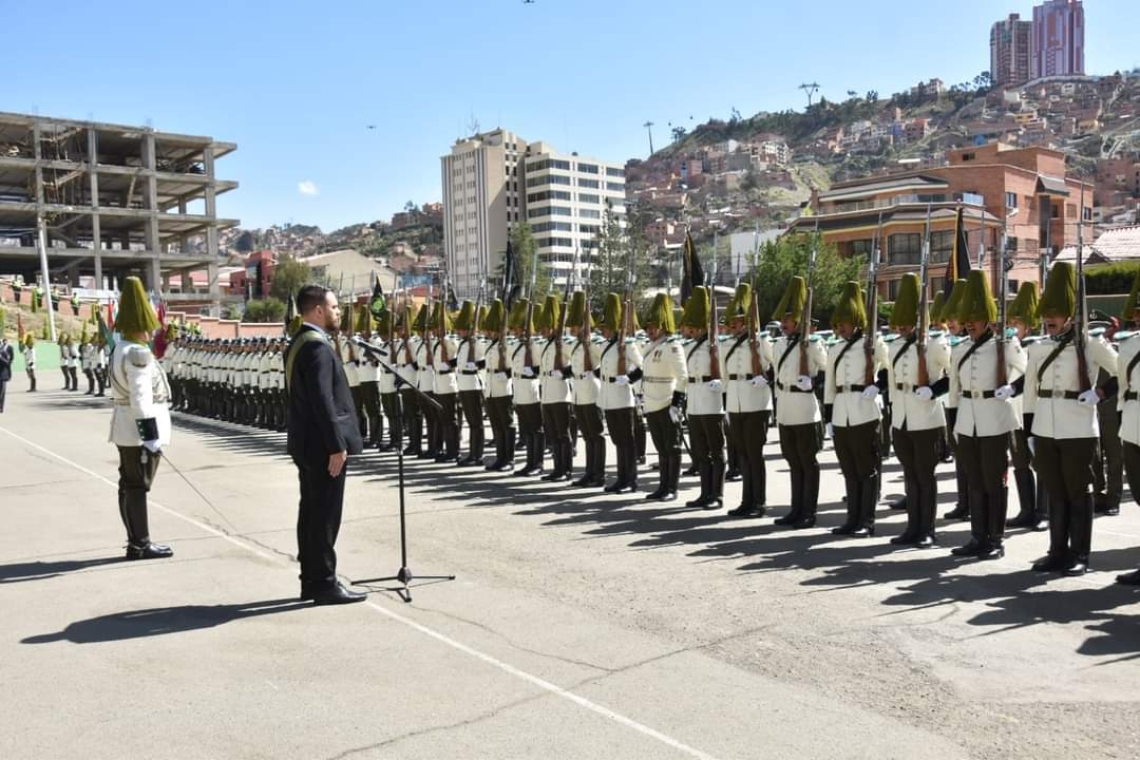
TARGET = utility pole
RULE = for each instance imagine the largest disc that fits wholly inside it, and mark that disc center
(811, 89)
(649, 127)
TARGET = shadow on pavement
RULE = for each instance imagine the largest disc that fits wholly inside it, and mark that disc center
(35, 571)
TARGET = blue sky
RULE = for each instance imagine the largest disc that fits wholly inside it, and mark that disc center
(295, 84)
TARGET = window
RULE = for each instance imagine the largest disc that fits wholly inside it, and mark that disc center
(905, 248)
(1011, 200)
(592, 183)
(589, 198)
(548, 163)
(535, 213)
(1086, 214)
(1012, 287)
(588, 168)
(941, 246)
(558, 195)
(969, 156)
(612, 172)
(862, 248)
(589, 213)
(589, 229)
(553, 227)
(617, 187)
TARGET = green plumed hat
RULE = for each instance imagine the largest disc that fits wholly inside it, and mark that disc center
(440, 314)
(136, 315)
(421, 322)
(551, 313)
(977, 304)
(1024, 307)
(466, 318)
(384, 323)
(850, 307)
(347, 317)
(740, 304)
(905, 311)
(484, 310)
(577, 311)
(364, 321)
(794, 300)
(697, 308)
(493, 322)
(936, 308)
(1131, 304)
(950, 308)
(661, 313)
(518, 315)
(611, 317)
(1060, 296)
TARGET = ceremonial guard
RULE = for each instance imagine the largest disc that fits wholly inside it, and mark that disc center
(851, 396)
(525, 385)
(444, 350)
(7, 358)
(101, 365)
(1061, 401)
(919, 377)
(1033, 511)
(405, 350)
(1108, 462)
(500, 398)
(664, 378)
(87, 362)
(584, 360)
(349, 354)
(704, 390)
(748, 398)
(959, 343)
(1128, 372)
(800, 359)
(29, 351)
(981, 382)
(68, 358)
(140, 419)
(472, 360)
(368, 372)
(385, 340)
(425, 381)
(556, 390)
(619, 367)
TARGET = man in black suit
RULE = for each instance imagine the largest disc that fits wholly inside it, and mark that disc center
(322, 432)
(7, 356)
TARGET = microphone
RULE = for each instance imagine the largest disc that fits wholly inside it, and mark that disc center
(368, 347)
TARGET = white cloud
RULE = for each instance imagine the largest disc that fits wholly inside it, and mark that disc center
(308, 187)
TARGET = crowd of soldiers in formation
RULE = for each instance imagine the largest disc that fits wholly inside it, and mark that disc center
(1050, 397)
(88, 355)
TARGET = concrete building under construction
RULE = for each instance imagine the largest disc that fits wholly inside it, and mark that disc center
(106, 201)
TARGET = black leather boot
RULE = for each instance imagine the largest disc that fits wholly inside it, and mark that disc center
(978, 530)
(1026, 499)
(139, 545)
(962, 511)
(852, 502)
(810, 498)
(796, 479)
(716, 486)
(868, 500)
(705, 471)
(911, 503)
(996, 506)
(1080, 534)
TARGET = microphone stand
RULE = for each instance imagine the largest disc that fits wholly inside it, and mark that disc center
(404, 575)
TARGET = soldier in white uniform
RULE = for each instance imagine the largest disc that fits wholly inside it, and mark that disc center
(87, 363)
(405, 350)
(68, 358)
(664, 378)
(1128, 401)
(704, 391)
(1062, 397)
(472, 362)
(797, 407)
(748, 400)
(525, 385)
(959, 343)
(615, 397)
(584, 359)
(1033, 502)
(982, 378)
(500, 389)
(444, 352)
(29, 351)
(554, 364)
(917, 416)
(368, 372)
(385, 340)
(140, 420)
(425, 381)
(853, 410)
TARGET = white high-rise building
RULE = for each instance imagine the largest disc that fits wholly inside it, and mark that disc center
(566, 200)
(482, 202)
(496, 180)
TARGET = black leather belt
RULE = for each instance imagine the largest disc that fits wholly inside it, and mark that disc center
(1069, 395)
(790, 388)
(469, 372)
(978, 394)
(702, 379)
(741, 377)
(1131, 395)
(902, 386)
(443, 372)
(849, 388)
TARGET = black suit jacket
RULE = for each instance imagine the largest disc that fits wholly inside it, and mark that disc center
(7, 356)
(321, 415)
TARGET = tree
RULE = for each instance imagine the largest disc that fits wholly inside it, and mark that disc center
(678, 134)
(788, 256)
(288, 277)
(264, 310)
(245, 242)
(523, 245)
(410, 207)
(610, 259)
(872, 96)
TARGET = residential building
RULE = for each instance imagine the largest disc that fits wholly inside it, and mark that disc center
(1025, 188)
(567, 199)
(484, 197)
(1010, 51)
(1058, 39)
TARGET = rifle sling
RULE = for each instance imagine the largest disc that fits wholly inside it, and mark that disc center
(970, 351)
(787, 352)
(1128, 374)
(843, 351)
(1052, 357)
(899, 355)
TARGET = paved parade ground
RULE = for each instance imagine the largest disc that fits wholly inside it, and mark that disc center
(581, 625)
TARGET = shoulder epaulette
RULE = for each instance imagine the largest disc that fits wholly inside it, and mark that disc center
(1125, 335)
(1096, 332)
(893, 337)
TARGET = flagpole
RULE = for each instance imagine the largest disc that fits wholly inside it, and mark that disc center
(41, 238)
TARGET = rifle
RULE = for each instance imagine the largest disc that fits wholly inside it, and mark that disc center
(587, 326)
(443, 322)
(561, 331)
(626, 317)
(753, 332)
(1003, 288)
(805, 318)
(475, 325)
(408, 358)
(872, 306)
(528, 356)
(714, 326)
(1081, 325)
(429, 354)
(923, 317)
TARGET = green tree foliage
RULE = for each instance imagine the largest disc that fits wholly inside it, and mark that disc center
(245, 242)
(288, 277)
(1111, 279)
(523, 245)
(264, 310)
(782, 259)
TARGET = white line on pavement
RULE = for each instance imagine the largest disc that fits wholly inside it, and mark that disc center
(442, 638)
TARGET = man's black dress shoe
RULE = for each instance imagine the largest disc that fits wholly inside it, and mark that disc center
(330, 593)
(149, 551)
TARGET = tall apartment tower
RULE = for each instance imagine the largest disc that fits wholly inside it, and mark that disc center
(1058, 38)
(1010, 51)
(483, 199)
(567, 199)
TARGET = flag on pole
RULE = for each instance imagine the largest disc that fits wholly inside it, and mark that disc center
(692, 273)
(105, 329)
(958, 268)
(509, 276)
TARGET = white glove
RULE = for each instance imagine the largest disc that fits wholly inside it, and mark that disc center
(759, 382)
(1004, 392)
(622, 379)
(804, 383)
(870, 393)
(924, 393)
(1089, 398)
(830, 431)
(501, 377)
(528, 372)
(471, 366)
(154, 447)
(1032, 444)
(675, 414)
(715, 385)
